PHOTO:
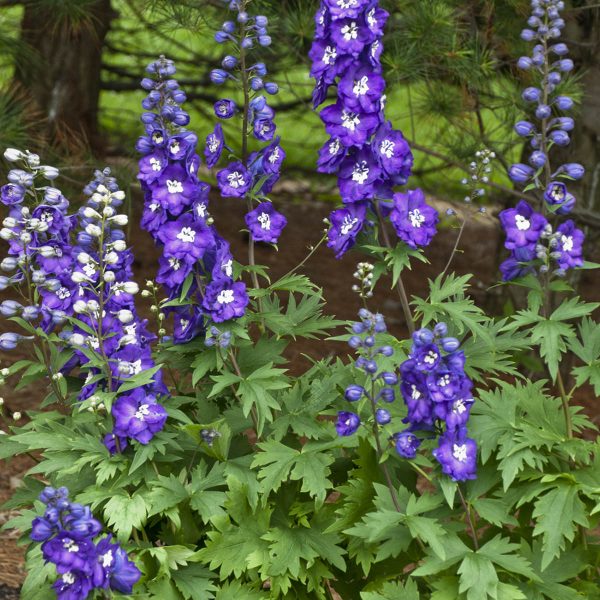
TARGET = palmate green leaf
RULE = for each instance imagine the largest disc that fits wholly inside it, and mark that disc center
(279, 462)
(165, 493)
(588, 351)
(557, 514)
(236, 590)
(163, 588)
(394, 591)
(194, 582)
(205, 500)
(39, 575)
(124, 513)
(171, 558)
(448, 302)
(478, 577)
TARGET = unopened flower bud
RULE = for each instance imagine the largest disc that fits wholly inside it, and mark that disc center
(13, 155)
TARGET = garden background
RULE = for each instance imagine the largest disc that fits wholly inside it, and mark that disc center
(69, 90)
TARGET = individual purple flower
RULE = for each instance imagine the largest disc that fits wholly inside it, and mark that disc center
(264, 129)
(353, 128)
(68, 553)
(265, 223)
(225, 299)
(174, 189)
(186, 238)
(518, 264)
(11, 194)
(346, 224)
(407, 444)
(343, 9)
(393, 153)
(273, 157)
(570, 246)
(172, 271)
(215, 143)
(347, 423)
(351, 36)
(361, 88)
(457, 455)
(331, 156)
(72, 585)
(138, 415)
(414, 220)
(234, 181)
(225, 109)
(357, 176)
(152, 166)
(523, 226)
(114, 569)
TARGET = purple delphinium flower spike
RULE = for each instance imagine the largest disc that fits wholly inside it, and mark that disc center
(68, 531)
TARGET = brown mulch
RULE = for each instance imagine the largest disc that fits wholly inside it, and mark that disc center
(481, 244)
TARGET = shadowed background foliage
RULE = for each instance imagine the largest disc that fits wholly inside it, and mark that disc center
(70, 72)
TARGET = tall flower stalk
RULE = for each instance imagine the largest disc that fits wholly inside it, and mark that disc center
(369, 157)
(250, 176)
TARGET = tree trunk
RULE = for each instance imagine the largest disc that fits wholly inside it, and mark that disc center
(63, 79)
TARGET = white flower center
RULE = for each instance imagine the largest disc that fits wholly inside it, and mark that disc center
(567, 243)
(70, 546)
(154, 206)
(175, 147)
(557, 193)
(107, 559)
(374, 48)
(348, 224)
(213, 143)
(225, 297)
(187, 235)
(174, 186)
(227, 267)
(274, 156)
(68, 578)
(459, 407)
(460, 452)
(415, 393)
(130, 329)
(416, 218)
(361, 86)
(174, 263)
(344, 4)
(265, 221)
(157, 138)
(350, 32)
(184, 323)
(387, 148)
(361, 172)
(522, 223)
(350, 120)
(329, 55)
(47, 217)
(155, 164)
(93, 342)
(334, 147)
(201, 209)
(371, 18)
(142, 412)
(63, 293)
(444, 381)
(430, 357)
(236, 180)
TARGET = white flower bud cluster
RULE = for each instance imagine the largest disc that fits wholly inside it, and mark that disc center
(480, 170)
(364, 274)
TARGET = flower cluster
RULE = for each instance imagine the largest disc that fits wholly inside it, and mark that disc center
(253, 175)
(532, 240)
(368, 155)
(39, 260)
(364, 341)
(67, 531)
(437, 392)
(108, 326)
(176, 212)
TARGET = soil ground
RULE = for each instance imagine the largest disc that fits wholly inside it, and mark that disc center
(481, 247)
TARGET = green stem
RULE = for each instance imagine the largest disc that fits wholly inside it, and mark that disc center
(467, 508)
(410, 323)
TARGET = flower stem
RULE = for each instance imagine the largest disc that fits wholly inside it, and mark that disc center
(410, 323)
(469, 518)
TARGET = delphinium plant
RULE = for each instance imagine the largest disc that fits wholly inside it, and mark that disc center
(430, 467)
